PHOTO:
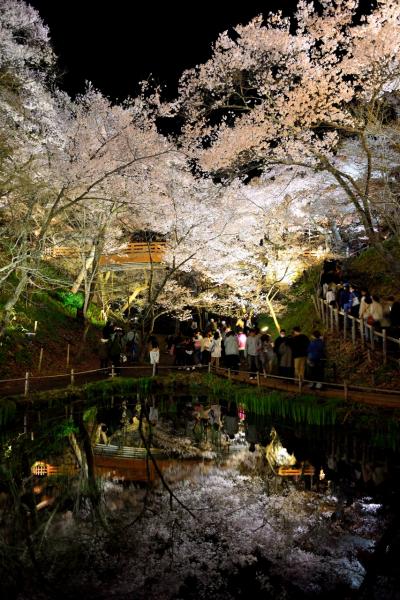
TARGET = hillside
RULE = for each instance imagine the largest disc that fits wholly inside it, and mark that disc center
(58, 327)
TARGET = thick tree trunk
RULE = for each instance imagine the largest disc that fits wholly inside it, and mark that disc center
(11, 302)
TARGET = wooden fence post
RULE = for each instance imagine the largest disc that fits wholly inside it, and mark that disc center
(154, 370)
(229, 373)
(258, 378)
(345, 325)
(72, 377)
(315, 301)
(40, 359)
(336, 313)
(26, 390)
(353, 331)
(331, 315)
(112, 372)
(372, 334)
(209, 367)
(384, 345)
(362, 332)
(67, 355)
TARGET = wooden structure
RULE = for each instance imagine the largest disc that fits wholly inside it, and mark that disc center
(296, 471)
(135, 254)
(113, 462)
(127, 462)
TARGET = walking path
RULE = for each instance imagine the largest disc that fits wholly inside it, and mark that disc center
(351, 393)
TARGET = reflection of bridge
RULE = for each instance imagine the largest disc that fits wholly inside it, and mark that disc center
(135, 255)
(132, 256)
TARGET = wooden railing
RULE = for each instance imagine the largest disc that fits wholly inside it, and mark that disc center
(355, 329)
(133, 253)
(136, 252)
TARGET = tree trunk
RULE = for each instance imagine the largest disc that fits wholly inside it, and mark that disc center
(88, 262)
(11, 302)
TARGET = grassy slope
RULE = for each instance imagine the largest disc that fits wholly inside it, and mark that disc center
(57, 327)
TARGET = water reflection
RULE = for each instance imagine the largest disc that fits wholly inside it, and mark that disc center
(190, 490)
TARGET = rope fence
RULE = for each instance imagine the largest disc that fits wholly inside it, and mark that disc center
(269, 380)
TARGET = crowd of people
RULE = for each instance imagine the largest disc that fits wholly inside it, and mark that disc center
(380, 313)
(238, 347)
(247, 348)
(117, 346)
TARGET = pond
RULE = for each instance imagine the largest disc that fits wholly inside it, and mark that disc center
(189, 507)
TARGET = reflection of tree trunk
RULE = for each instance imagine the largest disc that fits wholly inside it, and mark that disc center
(93, 488)
(78, 454)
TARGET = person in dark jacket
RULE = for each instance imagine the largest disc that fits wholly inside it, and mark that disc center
(103, 352)
(116, 348)
(299, 344)
(315, 356)
(108, 330)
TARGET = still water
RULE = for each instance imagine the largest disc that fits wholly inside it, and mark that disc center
(206, 514)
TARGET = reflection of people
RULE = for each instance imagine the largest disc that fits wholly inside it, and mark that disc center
(251, 432)
(231, 421)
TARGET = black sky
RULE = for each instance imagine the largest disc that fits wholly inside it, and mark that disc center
(116, 44)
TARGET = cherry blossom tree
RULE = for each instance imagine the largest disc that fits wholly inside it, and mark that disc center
(292, 91)
(98, 165)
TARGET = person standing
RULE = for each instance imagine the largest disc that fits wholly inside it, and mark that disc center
(206, 345)
(281, 339)
(299, 344)
(215, 349)
(231, 351)
(198, 345)
(252, 349)
(154, 353)
(103, 353)
(285, 358)
(241, 338)
(116, 348)
(315, 356)
(266, 354)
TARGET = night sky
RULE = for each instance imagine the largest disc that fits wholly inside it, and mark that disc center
(115, 45)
